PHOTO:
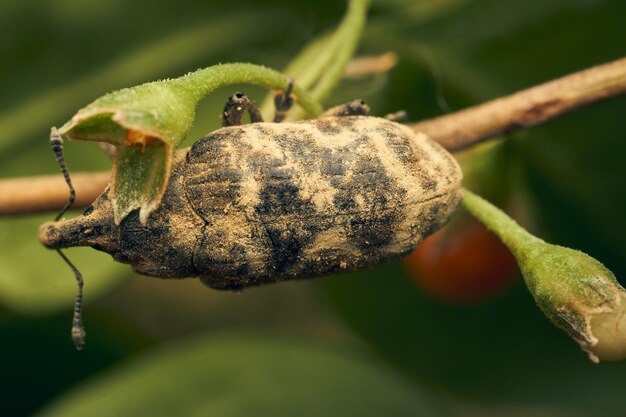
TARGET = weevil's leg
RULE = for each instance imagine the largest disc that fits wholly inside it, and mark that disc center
(235, 107)
(399, 116)
(56, 142)
(283, 102)
(351, 108)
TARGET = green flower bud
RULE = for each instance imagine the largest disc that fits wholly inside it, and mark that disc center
(575, 291)
(580, 296)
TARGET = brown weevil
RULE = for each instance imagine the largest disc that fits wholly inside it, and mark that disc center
(253, 204)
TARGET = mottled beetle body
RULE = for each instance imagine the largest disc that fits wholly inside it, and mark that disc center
(266, 202)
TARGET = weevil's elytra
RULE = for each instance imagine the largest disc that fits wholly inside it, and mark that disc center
(266, 202)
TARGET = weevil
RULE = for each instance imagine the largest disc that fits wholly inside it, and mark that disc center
(251, 204)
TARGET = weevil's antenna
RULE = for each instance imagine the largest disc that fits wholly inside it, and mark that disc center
(78, 331)
(56, 142)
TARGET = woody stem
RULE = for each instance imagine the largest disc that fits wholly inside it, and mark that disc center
(454, 131)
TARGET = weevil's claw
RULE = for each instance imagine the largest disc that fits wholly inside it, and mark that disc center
(283, 102)
(235, 107)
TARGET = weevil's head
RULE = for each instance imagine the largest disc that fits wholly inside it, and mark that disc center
(95, 228)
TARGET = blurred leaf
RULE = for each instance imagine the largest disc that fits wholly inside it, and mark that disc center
(39, 360)
(34, 279)
(264, 375)
(467, 25)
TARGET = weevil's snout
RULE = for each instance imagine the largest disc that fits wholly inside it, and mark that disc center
(91, 229)
(68, 233)
(50, 235)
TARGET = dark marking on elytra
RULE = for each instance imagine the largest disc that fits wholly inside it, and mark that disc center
(371, 234)
(304, 146)
(337, 126)
(206, 147)
(280, 198)
(300, 136)
(223, 174)
(347, 124)
(428, 184)
(345, 202)
(286, 247)
(261, 129)
(232, 133)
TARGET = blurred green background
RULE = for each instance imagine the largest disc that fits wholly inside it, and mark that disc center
(369, 343)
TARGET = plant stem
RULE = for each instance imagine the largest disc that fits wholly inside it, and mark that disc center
(347, 37)
(204, 81)
(526, 108)
(49, 192)
(311, 62)
(514, 236)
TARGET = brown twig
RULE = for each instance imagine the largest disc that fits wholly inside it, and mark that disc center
(365, 66)
(454, 131)
(49, 192)
(526, 108)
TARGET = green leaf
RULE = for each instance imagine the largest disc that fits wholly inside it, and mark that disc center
(146, 123)
(25, 370)
(139, 174)
(233, 376)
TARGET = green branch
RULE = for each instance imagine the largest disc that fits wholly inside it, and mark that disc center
(515, 237)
